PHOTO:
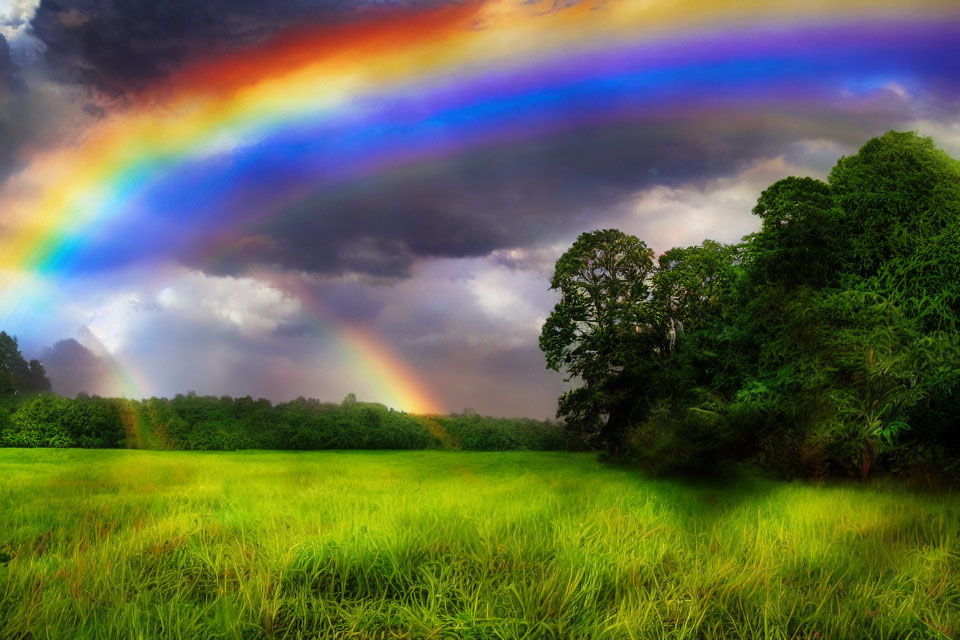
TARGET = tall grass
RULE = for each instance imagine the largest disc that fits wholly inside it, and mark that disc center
(432, 544)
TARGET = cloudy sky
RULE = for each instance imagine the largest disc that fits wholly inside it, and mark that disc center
(316, 197)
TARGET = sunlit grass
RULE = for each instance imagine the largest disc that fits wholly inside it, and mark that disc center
(135, 544)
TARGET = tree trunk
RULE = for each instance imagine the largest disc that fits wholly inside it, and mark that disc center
(867, 456)
(615, 433)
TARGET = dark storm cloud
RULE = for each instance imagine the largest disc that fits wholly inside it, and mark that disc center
(525, 195)
(120, 45)
(505, 381)
(34, 112)
(10, 89)
(9, 77)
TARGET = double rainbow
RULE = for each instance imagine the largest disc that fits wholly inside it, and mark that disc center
(317, 109)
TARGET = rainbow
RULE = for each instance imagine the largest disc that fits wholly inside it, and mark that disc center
(226, 143)
(397, 384)
(123, 380)
(394, 382)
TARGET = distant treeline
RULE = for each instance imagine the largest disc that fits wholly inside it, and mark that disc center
(30, 416)
(210, 423)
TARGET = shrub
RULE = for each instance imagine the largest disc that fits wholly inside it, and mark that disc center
(42, 421)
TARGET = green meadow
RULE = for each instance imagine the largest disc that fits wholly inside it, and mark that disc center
(442, 544)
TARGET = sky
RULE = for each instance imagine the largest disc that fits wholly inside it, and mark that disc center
(318, 197)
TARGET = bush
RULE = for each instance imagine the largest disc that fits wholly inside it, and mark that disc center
(42, 421)
(472, 432)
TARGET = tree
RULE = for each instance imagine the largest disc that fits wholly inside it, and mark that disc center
(43, 421)
(897, 194)
(13, 368)
(16, 375)
(825, 341)
(602, 332)
(853, 300)
(691, 283)
(800, 240)
(37, 379)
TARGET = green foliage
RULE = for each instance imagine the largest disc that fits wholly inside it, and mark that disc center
(94, 422)
(209, 423)
(897, 194)
(602, 330)
(825, 342)
(43, 421)
(800, 241)
(472, 432)
(17, 376)
(48, 420)
(691, 284)
(853, 359)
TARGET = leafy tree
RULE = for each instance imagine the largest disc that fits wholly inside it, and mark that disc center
(898, 193)
(690, 284)
(852, 300)
(37, 379)
(94, 422)
(12, 365)
(684, 425)
(17, 376)
(823, 342)
(800, 241)
(603, 331)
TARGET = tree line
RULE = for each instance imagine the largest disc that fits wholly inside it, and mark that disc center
(31, 416)
(826, 343)
(210, 423)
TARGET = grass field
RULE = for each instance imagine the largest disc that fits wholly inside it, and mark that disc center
(429, 544)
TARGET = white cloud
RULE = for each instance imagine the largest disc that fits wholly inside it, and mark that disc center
(897, 89)
(946, 134)
(15, 17)
(246, 306)
(16, 14)
(470, 302)
(249, 305)
(115, 321)
(503, 294)
(665, 216)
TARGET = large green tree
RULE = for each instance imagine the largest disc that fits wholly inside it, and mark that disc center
(826, 341)
(603, 332)
(853, 299)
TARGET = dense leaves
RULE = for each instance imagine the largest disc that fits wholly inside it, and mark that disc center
(205, 423)
(599, 327)
(827, 342)
(17, 376)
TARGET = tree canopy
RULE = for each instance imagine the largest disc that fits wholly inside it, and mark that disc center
(822, 343)
(17, 376)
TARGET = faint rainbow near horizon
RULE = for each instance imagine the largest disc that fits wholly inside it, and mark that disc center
(396, 384)
(374, 360)
(230, 142)
(125, 380)
(393, 381)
